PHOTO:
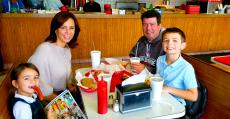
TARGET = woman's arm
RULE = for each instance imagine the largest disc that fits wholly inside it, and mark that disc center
(50, 97)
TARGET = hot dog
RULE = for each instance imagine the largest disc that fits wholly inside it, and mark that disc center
(39, 92)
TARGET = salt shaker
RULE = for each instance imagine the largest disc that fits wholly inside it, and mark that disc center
(111, 101)
(116, 106)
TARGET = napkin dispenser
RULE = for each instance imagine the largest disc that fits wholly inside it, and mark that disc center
(134, 97)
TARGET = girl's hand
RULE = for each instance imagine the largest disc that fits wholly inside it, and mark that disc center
(51, 114)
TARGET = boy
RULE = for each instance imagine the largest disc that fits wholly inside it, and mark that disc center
(178, 74)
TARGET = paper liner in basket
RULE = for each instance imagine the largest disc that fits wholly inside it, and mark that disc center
(79, 77)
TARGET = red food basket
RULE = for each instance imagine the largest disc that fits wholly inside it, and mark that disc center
(211, 0)
(88, 90)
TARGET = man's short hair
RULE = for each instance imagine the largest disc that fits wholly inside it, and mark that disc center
(150, 14)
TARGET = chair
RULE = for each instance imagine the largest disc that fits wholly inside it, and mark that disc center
(194, 110)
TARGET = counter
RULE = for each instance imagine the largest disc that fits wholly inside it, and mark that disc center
(114, 35)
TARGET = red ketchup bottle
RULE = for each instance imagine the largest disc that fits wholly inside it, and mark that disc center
(102, 97)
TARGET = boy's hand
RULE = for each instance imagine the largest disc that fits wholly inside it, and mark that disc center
(167, 89)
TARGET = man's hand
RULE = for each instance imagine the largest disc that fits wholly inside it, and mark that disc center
(137, 67)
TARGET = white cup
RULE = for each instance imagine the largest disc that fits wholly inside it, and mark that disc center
(122, 12)
(156, 85)
(134, 60)
(95, 58)
(81, 9)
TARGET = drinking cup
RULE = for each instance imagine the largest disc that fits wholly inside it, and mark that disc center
(81, 9)
(134, 60)
(156, 85)
(95, 58)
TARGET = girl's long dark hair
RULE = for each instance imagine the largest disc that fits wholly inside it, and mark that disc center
(18, 70)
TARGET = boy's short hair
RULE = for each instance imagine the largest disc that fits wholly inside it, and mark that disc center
(151, 14)
(174, 30)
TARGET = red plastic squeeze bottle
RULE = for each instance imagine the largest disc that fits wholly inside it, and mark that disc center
(102, 97)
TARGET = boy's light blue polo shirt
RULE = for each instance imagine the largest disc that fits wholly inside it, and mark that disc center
(180, 74)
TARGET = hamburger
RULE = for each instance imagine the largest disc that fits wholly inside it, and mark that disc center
(89, 83)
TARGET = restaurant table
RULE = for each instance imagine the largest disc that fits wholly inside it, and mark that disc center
(166, 107)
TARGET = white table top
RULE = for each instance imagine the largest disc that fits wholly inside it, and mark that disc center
(166, 107)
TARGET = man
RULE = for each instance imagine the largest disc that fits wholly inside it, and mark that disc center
(92, 6)
(13, 6)
(149, 46)
(52, 4)
(35, 4)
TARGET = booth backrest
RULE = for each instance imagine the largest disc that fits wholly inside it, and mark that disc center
(217, 83)
(5, 91)
(194, 110)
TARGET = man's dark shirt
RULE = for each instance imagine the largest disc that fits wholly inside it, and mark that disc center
(148, 52)
(92, 7)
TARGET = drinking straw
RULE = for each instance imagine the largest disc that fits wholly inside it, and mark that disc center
(93, 45)
(136, 49)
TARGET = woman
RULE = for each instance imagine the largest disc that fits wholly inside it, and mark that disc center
(12, 6)
(53, 57)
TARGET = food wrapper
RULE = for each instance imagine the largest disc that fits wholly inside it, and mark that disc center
(79, 76)
(117, 78)
(112, 65)
(138, 78)
(93, 74)
(39, 92)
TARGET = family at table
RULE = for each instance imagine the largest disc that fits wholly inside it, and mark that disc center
(159, 51)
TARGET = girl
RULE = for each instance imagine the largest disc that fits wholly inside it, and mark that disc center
(25, 104)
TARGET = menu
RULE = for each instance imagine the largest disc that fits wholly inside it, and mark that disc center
(66, 107)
